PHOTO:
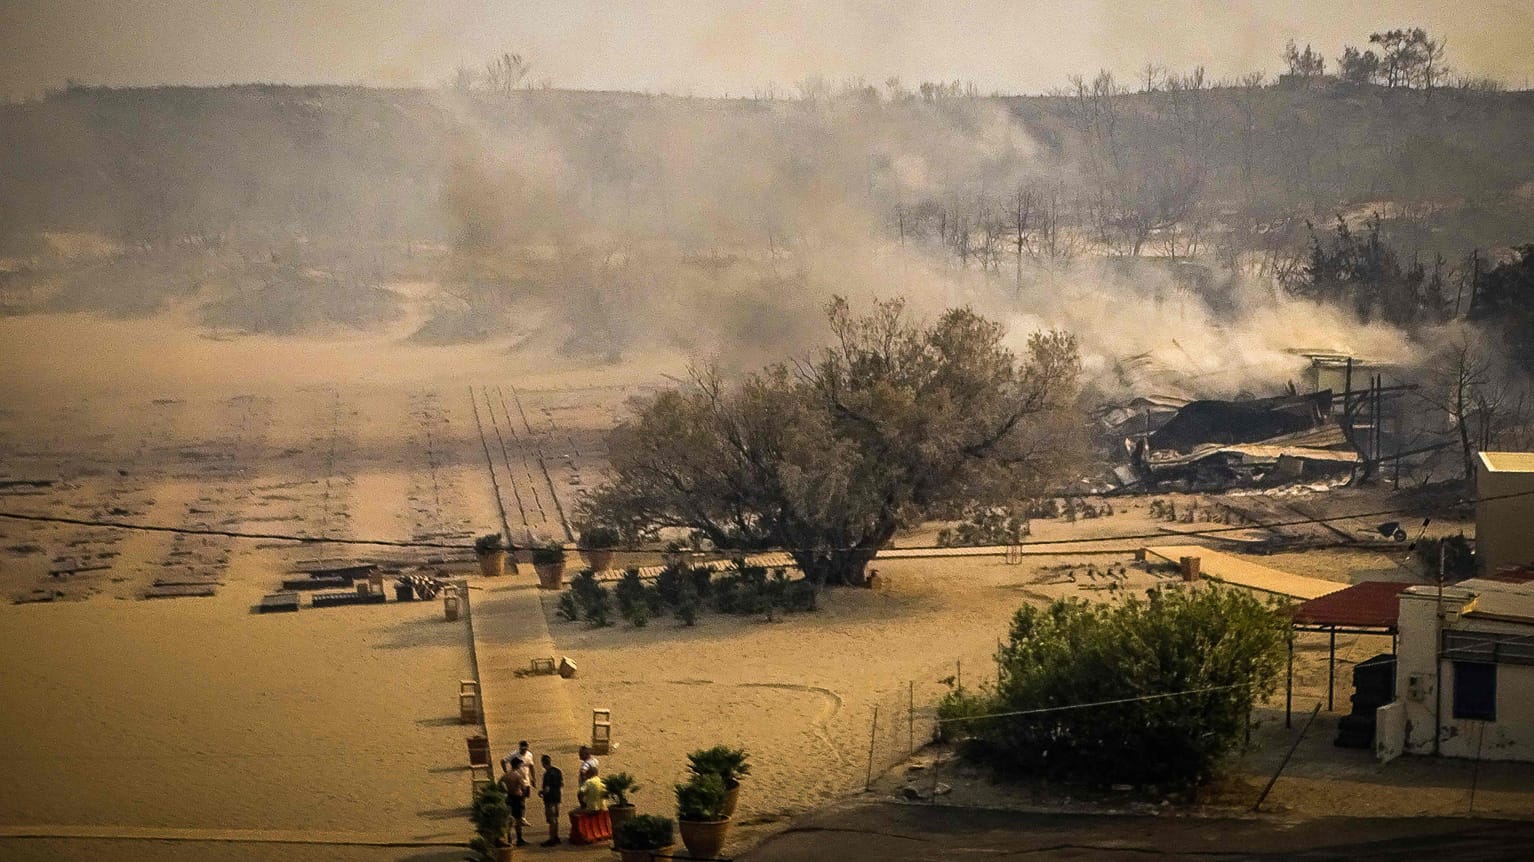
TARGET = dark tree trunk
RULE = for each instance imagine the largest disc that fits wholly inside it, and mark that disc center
(835, 568)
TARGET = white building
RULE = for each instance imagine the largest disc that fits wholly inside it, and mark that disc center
(1504, 515)
(1464, 672)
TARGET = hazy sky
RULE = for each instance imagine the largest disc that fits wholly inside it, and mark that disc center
(707, 48)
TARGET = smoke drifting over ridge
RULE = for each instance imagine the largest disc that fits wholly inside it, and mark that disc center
(722, 228)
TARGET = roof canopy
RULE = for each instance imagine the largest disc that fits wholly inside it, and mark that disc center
(1369, 605)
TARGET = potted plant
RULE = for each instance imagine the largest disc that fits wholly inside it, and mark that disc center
(549, 561)
(404, 591)
(491, 552)
(597, 543)
(700, 815)
(642, 837)
(619, 785)
(727, 763)
(491, 815)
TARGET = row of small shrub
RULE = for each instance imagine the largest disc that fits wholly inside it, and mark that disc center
(684, 591)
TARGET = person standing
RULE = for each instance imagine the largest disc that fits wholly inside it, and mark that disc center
(589, 764)
(517, 790)
(527, 774)
(593, 793)
(552, 793)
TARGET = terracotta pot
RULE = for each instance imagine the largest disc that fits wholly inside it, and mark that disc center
(551, 576)
(731, 796)
(504, 854)
(644, 855)
(599, 560)
(704, 837)
(491, 563)
(619, 813)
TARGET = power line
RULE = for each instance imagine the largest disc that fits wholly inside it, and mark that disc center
(1136, 699)
(232, 534)
(397, 543)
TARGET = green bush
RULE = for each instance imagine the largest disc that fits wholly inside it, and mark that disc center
(619, 785)
(701, 798)
(630, 594)
(568, 608)
(590, 599)
(1458, 559)
(1220, 644)
(600, 538)
(489, 543)
(730, 764)
(491, 816)
(644, 832)
(552, 554)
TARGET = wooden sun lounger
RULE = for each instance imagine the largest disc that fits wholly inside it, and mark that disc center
(325, 600)
(182, 591)
(279, 603)
(315, 583)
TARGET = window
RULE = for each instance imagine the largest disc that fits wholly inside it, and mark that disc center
(1475, 690)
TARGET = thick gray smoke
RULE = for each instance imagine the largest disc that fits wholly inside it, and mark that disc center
(721, 228)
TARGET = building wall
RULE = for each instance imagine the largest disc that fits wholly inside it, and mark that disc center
(1509, 737)
(1504, 529)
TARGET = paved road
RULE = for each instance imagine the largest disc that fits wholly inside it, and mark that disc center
(918, 833)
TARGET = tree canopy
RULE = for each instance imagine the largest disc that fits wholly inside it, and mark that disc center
(1222, 646)
(828, 455)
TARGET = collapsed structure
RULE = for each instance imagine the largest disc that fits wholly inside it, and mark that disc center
(1211, 444)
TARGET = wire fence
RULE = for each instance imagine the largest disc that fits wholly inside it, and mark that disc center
(905, 719)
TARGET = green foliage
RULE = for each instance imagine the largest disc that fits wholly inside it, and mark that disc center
(600, 537)
(1222, 644)
(588, 599)
(687, 605)
(568, 608)
(1504, 298)
(986, 525)
(619, 785)
(644, 832)
(552, 554)
(894, 419)
(701, 798)
(730, 764)
(633, 604)
(491, 814)
(489, 543)
(1458, 559)
(1365, 273)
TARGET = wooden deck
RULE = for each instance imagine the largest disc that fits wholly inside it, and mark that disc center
(1231, 569)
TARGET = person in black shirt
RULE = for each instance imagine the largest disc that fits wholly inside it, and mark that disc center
(553, 787)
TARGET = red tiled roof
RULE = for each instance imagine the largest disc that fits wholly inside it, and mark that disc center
(1371, 604)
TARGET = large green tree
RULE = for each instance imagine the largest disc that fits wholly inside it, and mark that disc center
(1150, 691)
(827, 456)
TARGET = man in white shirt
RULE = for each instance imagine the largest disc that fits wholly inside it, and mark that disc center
(589, 763)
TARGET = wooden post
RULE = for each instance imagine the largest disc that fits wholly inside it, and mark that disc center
(1331, 670)
(1290, 753)
(873, 729)
(911, 717)
(1289, 686)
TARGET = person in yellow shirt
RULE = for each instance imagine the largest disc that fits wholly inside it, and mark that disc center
(593, 793)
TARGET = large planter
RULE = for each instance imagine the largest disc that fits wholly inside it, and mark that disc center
(598, 560)
(643, 855)
(704, 838)
(505, 853)
(551, 576)
(619, 813)
(731, 796)
(491, 563)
